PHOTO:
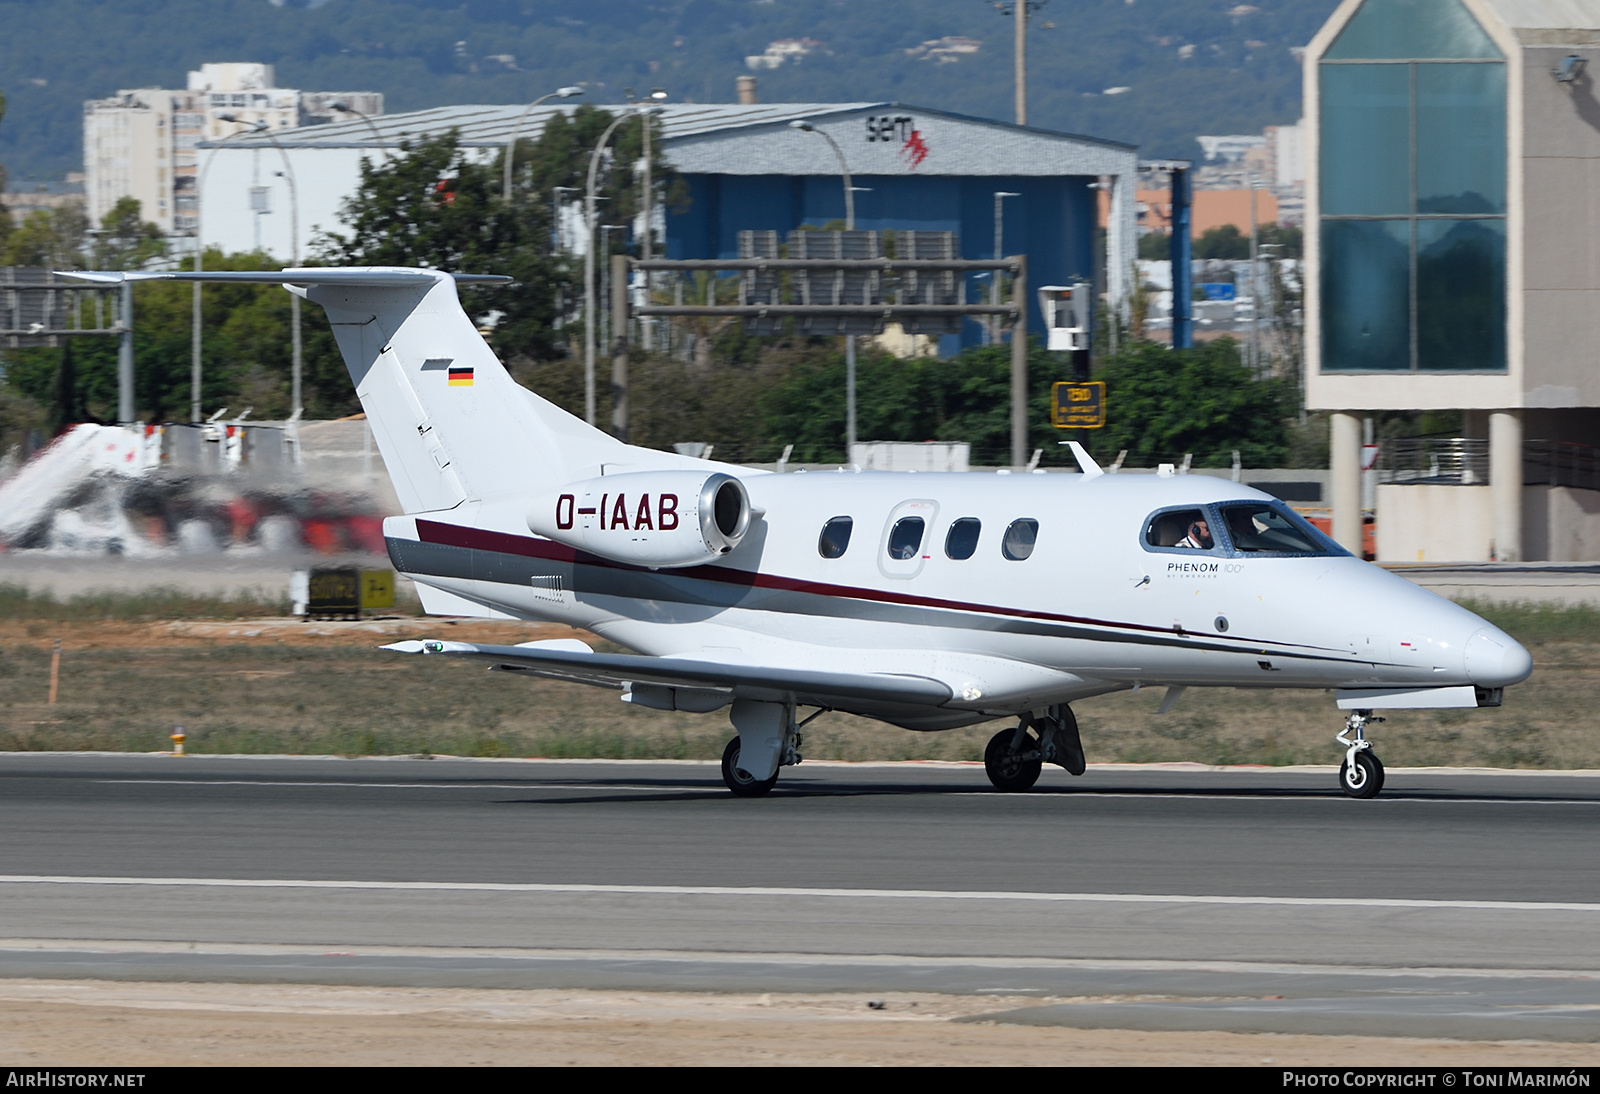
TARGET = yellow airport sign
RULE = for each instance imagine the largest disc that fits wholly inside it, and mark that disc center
(1078, 405)
(377, 588)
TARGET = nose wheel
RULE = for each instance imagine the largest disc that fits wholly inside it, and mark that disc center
(1361, 774)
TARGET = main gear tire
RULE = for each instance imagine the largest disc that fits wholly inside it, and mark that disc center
(1007, 770)
(741, 782)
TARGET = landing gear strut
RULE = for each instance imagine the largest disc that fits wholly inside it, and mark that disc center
(1361, 774)
(1015, 757)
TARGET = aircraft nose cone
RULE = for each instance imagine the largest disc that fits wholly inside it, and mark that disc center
(1496, 660)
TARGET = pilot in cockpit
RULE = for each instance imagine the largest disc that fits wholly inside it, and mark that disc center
(1198, 537)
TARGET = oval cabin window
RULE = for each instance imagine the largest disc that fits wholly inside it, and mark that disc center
(962, 539)
(905, 538)
(1019, 539)
(835, 537)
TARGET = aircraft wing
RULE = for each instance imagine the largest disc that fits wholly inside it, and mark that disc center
(567, 661)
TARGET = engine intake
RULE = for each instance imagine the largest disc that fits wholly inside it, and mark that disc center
(659, 519)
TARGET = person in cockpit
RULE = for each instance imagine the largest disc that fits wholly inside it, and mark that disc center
(1199, 536)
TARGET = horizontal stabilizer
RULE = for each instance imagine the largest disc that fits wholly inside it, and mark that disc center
(373, 277)
(616, 670)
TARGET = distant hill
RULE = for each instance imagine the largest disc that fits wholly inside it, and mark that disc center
(1188, 66)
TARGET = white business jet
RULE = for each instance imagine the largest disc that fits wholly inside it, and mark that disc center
(928, 601)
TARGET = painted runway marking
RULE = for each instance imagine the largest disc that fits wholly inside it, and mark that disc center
(778, 891)
(1047, 795)
(707, 785)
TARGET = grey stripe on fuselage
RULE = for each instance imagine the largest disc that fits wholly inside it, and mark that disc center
(468, 563)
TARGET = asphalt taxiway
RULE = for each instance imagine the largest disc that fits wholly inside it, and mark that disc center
(1458, 904)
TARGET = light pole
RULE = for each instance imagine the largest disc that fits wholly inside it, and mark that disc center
(844, 169)
(511, 145)
(849, 339)
(287, 174)
(994, 275)
(588, 258)
(345, 108)
(656, 95)
(1021, 10)
(199, 262)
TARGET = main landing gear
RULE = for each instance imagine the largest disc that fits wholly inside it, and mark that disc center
(769, 739)
(740, 781)
(1361, 774)
(1015, 757)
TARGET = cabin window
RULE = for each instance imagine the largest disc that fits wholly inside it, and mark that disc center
(1019, 539)
(835, 537)
(905, 537)
(1182, 528)
(1267, 528)
(962, 539)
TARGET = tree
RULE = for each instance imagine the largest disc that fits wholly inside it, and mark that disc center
(245, 361)
(1155, 247)
(433, 206)
(1161, 403)
(126, 242)
(1224, 241)
(962, 398)
(48, 237)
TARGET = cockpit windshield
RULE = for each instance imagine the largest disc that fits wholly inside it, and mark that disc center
(1274, 528)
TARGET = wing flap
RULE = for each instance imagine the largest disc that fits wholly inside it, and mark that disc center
(617, 670)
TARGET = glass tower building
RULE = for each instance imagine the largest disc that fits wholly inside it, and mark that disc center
(1413, 191)
(1453, 263)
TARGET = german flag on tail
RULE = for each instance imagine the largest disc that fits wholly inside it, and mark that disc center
(460, 375)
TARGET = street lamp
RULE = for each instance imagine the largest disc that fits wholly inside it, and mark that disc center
(261, 128)
(588, 257)
(992, 327)
(849, 339)
(199, 262)
(511, 145)
(656, 95)
(844, 169)
(345, 108)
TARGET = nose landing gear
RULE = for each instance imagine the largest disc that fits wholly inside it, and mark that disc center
(1361, 774)
(1015, 757)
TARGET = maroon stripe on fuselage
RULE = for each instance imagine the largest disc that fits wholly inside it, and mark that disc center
(455, 535)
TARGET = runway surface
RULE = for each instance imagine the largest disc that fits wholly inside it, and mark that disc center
(1458, 904)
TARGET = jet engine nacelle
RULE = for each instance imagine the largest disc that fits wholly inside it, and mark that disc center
(648, 518)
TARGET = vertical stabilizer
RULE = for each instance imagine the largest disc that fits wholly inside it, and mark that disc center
(451, 423)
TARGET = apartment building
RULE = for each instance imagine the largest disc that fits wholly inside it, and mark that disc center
(142, 143)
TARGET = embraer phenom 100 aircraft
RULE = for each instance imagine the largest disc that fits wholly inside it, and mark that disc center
(928, 601)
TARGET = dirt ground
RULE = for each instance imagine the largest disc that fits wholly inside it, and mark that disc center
(279, 685)
(127, 1025)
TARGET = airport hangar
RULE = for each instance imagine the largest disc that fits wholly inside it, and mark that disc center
(1454, 191)
(745, 168)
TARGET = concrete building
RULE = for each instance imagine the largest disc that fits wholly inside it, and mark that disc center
(1453, 213)
(142, 143)
(1208, 209)
(746, 168)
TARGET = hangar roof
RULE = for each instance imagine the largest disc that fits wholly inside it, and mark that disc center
(727, 138)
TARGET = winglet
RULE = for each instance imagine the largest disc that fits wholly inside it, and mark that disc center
(1086, 462)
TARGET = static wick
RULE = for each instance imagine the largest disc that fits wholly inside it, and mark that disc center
(177, 741)
(55, 672)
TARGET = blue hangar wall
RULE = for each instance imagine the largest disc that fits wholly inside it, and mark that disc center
(1053, 221)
